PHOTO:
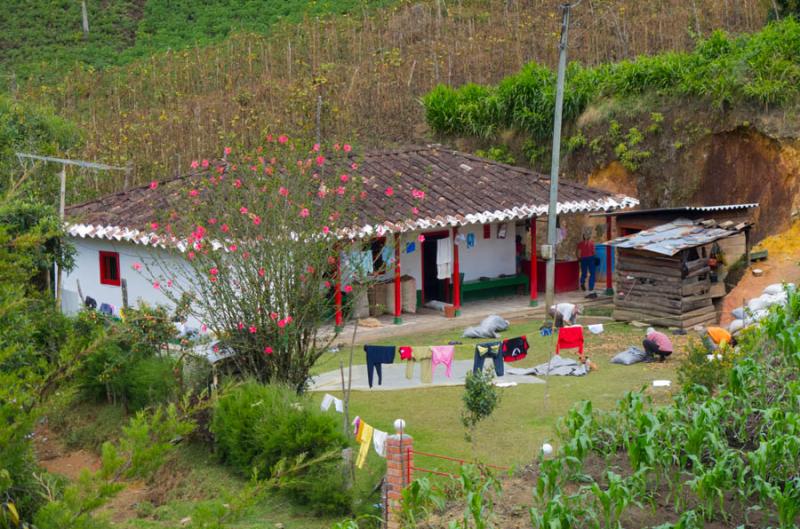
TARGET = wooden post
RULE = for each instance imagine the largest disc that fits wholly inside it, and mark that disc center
(534, 280)
(338, 294)
(398, 302)
(609, 255)
(85, 17)
(747, 248)
(456, 274)
(62, 194)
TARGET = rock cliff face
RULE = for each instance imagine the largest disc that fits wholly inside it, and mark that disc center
(697, 161)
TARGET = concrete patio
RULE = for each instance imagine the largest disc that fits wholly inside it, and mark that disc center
(472, 312)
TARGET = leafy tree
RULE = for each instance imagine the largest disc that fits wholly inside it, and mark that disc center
(480, 400)
(259, 238)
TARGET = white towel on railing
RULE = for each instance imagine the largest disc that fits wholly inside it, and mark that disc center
(379, 442)
(444, 258)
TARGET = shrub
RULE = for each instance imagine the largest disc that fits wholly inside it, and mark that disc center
(256, 427)
(697, 370)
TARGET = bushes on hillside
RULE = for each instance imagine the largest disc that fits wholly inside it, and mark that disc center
(758, 69)
(256, 427)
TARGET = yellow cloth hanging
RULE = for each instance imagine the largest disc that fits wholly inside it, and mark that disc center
(366, 442)
(360, 430)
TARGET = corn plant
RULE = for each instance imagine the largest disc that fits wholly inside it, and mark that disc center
(561, 512)
(478, 487)
(786, 500)
(419, 500)
(616, 497)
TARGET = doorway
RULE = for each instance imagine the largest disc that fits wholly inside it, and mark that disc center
(433, 288)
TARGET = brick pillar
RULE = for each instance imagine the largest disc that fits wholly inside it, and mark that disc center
(399, 461)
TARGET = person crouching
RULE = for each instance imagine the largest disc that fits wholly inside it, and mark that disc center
(657, 344)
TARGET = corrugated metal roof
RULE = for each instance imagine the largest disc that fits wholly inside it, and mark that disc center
(681, 209)
(671, 238)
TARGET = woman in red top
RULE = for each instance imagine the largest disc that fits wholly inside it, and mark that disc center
(586, 256)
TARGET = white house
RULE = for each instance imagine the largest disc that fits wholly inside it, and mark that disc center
(479, 206)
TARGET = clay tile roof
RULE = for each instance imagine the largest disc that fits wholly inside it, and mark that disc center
(459, 189)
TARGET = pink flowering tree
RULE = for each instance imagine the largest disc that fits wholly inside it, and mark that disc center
(259, 235)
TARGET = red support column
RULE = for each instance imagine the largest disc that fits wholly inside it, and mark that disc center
(398, 302)
(534, 279)
(456, 275)
(338, 294)
(609, 255)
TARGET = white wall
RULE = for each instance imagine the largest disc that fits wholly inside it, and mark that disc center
(87, 271)
(488, 258)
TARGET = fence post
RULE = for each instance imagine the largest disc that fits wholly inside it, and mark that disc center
(399, 463)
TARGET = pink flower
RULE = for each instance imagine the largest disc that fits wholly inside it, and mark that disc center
(195, 164)
(256, 220)
(421, 238)
(282, 139)
(347, 147)
(281, 323)
(289, 319)
(261, 272)
(216, 348)
(283, 191)
(190, 255)
(137, 266)
(253, 329)
(344, 178)
(153, 184)
(238, 183)
(304, 212)
(204, 163)
(415, 210)
(310, 269)
(327, 284)
(268, 350)
(154, 225)
(227, 151)
(320, 160)
(204, 328)
(326, 230)
(348, 289)
(269, 137)
(340, 190)
(336, 146)
(169, 283)
(233, 247)
(212, 220)
(418, 193)
(315, 148)
(213, 271)
(363, 195)
(243, 210)
(389, 191)
(273, 315)
(354, 166)
(194, 193)
(224, 228)
(240, 325)
(213, 279)
(156, 285)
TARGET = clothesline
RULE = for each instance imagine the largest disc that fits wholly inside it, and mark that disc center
(365, 434)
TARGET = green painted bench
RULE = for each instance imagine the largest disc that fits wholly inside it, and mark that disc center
(493, 287)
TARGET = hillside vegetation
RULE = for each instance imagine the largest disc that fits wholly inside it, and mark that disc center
(41, 39)
(371, 70)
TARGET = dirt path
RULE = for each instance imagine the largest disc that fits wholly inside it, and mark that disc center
(781, 266)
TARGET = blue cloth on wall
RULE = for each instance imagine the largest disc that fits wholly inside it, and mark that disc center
(410, 247)
(470, 240)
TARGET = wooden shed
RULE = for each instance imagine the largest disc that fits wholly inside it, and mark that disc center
(664, 274)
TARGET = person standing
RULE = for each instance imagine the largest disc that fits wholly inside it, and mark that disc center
(657, 343)
(587, 257)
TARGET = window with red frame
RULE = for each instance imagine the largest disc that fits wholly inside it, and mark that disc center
(109, 268)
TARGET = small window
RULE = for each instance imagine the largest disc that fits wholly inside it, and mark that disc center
(487, 231)
(109, 268)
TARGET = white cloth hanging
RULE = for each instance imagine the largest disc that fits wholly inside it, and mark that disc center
(444, 258)
(379, 442)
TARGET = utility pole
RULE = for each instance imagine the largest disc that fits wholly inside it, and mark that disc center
(62, 193)
(552, 213)
(85, 17)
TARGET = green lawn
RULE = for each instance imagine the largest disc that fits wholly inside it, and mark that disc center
(527, 413)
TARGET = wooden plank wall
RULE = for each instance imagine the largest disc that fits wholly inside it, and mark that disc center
(660, 290)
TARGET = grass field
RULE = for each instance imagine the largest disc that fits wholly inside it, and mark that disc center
(527, 413)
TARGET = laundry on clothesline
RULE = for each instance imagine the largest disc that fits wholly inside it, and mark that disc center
(488, 350)
(443, 354)
(423, 356)
(379, 442)
(515, 348)
(570, 338)
(365, 436)
(557, 366)
(329, 399)
(377, 355)
(406, 353)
